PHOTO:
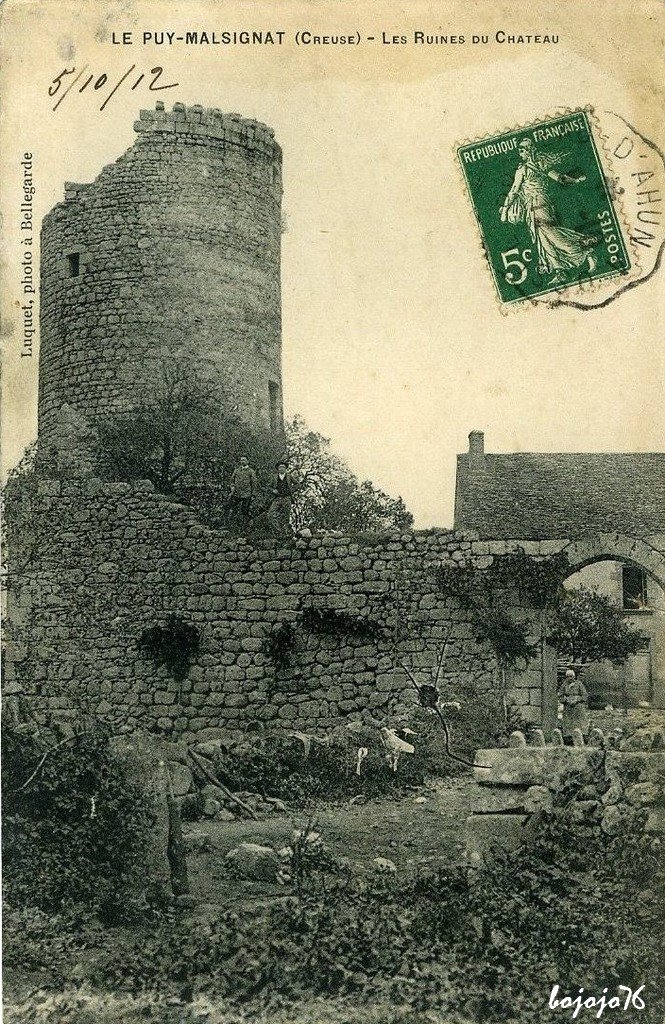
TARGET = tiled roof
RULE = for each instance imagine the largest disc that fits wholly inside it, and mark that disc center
(537, 496)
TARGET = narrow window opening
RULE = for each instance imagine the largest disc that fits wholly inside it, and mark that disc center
(74, 264)
(273, 400)
(634, 587)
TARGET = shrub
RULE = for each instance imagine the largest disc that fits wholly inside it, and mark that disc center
(281, 644)
(279, 766)
(74, 825)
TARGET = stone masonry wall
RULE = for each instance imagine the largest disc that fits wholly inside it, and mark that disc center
(620, 782)
(176, 245)
(97, 564)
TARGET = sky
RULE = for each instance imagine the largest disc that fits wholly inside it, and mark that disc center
(394, 344)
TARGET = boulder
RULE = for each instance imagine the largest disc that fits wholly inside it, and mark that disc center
(211, 749)
(642, 793)
(385, 865)
(611, 820)
(656, 820)
(255, 862)
(211, 792)
(211, 807)
(585, 812)
(642, 739)
(197, 842)
(612, 794)
(277, 805)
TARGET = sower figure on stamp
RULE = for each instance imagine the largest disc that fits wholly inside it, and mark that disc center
(279, 513)
(530, 201)
(575, 706)
(244, 488)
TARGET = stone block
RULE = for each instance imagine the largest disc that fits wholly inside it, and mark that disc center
(530, 766)
(142, 764)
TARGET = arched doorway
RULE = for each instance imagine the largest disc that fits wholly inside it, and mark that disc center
(630, 572)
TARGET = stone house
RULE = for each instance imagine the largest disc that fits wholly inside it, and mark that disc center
(548, 496)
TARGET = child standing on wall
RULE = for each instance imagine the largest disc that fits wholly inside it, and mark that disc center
(279, 513)
(244, 488)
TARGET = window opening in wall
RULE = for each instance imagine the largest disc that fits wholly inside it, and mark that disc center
(273, 399)
(74, 264)
(634, 582)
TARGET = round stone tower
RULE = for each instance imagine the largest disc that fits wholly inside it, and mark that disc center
(174, 248)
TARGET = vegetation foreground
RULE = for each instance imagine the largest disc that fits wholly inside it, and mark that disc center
(87, 940)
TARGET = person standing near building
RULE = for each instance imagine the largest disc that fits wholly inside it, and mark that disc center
(575, 701)
(244, 488)
(279, 513)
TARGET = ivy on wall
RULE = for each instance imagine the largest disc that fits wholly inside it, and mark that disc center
(536, 580)
(282, 643)
(331, 622)
(172, 644)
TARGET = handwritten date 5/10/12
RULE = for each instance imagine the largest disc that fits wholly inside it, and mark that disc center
(104, 85)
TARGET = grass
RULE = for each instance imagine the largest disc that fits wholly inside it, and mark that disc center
(401, 830)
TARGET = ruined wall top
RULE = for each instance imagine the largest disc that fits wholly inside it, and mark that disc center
(201, 125)
(211, 123)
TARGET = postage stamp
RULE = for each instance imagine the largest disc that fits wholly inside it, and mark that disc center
(544, 208)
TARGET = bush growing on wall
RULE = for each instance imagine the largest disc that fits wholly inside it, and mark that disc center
(172, 644)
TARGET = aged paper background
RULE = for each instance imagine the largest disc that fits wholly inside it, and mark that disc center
(394, 344)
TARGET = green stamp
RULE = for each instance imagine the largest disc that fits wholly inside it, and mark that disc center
(544, 209)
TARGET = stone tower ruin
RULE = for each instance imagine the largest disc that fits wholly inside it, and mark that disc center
(175, 247)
